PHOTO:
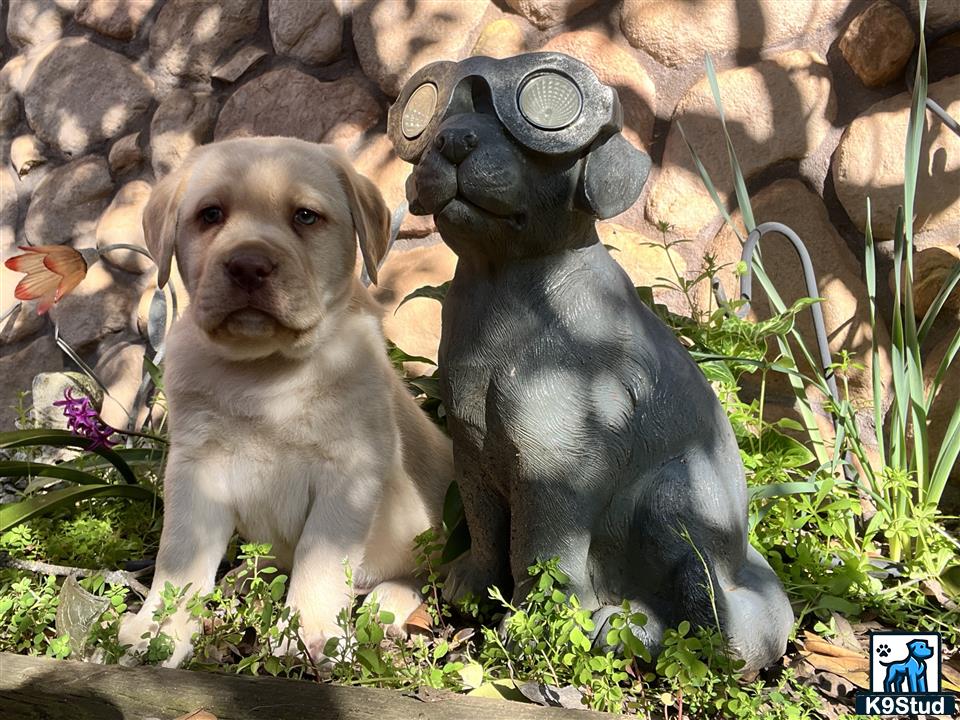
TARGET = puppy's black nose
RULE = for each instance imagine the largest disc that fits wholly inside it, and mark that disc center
(455, 143)
(249, 270)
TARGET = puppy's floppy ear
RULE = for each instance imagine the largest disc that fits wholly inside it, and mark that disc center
(161, 220)
(371, 216)
(614, 172)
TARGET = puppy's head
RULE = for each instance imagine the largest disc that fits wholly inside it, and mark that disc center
(515, 157)
(264, 231)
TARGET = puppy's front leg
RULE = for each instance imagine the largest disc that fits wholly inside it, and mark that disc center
(197, 524)
(335, 531)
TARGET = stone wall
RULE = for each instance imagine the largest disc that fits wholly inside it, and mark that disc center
(100, 98)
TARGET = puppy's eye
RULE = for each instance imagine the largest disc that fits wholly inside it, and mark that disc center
(211, 215)
(305, 217)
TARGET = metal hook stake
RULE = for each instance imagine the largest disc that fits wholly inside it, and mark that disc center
(809, 278)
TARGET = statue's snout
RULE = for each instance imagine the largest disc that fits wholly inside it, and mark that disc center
(456, 143)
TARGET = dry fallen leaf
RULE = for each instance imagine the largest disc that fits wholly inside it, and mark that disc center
(827, 657)
(846, 635)
(199, 714)
(933, 588)
(816, 644)
(835, 687)
(951, 674)
(461, 636)
(420, 621)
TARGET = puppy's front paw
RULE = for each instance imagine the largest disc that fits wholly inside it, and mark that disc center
(138, 630)
(315, 641)
(399, 598)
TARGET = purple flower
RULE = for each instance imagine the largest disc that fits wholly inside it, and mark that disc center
(84, 421)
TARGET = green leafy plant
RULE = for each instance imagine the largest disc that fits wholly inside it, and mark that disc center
(247, 626)
(907, 485)
(28, 608)
(546, 639)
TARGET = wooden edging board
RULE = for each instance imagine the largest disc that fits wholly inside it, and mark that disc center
(33, 688)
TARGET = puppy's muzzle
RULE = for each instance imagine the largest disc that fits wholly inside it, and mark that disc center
(249, 270)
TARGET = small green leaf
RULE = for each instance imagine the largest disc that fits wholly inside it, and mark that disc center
(471, 675)
(433, 292)
(500, 690)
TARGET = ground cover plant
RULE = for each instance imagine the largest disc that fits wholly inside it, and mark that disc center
(857, 537)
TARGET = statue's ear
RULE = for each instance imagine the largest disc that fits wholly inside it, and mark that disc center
(614, 172)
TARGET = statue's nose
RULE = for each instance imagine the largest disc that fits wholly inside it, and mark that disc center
(455, 143)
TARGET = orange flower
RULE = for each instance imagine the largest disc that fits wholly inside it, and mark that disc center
(52, 271)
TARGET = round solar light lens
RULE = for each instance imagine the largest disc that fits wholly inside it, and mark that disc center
(419, 110)
(550, 101)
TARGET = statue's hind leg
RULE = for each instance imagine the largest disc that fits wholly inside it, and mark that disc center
(753, 612)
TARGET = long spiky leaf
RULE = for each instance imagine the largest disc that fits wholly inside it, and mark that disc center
(930, 317)
(740, 187)
(870, 269)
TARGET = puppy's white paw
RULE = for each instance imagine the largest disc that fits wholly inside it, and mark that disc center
(315, 643)
(400, 598)
(179, 628)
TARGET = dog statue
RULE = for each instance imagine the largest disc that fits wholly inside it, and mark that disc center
(912, 669)
(582, 429)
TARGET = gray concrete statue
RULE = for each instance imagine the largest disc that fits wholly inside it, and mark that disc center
(582, 429)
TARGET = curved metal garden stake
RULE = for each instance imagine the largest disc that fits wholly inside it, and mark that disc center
(810, 280)
(931, 38)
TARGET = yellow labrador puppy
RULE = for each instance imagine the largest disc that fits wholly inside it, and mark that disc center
(287, 421)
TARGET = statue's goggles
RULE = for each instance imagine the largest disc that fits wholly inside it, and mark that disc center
(549, 102)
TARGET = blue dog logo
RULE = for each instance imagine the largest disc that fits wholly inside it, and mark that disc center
(912, 669)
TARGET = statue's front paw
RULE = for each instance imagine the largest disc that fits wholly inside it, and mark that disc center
(468, 580)
(649, 633)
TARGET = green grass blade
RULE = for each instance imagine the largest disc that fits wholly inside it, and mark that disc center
(945, 363)
(915, 128)
(921, 447)
(899, 438)
(746, 210)
(870, 268)
(740, 187)
(946, 459)
(776, 490)
(15, 513)
(708, 184)
(914, 366)
(64, 438)
(16, 468)
(938, 302)
(134, 457)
